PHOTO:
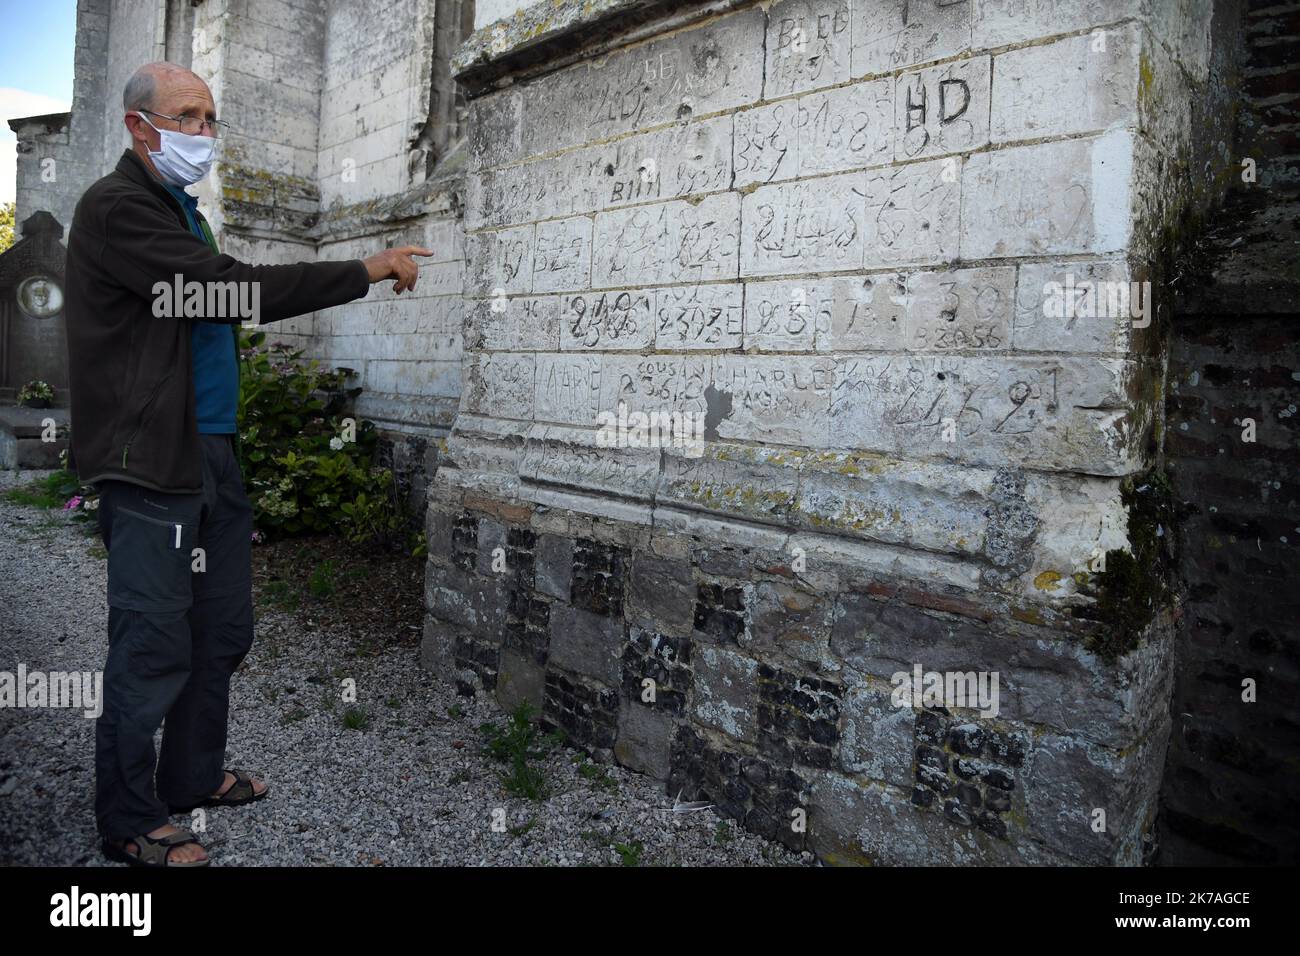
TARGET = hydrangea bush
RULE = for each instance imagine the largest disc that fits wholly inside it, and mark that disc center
(307, 461)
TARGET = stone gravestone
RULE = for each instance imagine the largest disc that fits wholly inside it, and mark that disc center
(33, 336)
(33, 343)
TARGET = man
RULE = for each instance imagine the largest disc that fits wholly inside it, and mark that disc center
(153, 422)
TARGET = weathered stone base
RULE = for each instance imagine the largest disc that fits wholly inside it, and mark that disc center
(715, 667)
(411, 458)
(22, 432)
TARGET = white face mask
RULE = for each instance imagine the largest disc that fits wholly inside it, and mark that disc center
(183, 160)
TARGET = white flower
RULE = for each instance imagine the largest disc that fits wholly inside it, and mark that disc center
(336, 443)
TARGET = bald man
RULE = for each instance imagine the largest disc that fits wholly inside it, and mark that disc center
(154, 393)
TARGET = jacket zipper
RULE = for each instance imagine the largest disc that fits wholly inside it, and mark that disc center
(143, 412)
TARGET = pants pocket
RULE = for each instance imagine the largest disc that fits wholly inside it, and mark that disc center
(149, 562)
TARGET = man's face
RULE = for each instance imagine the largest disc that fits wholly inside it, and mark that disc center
(178, 94)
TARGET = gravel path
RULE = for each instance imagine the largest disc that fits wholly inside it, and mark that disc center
(412, 788)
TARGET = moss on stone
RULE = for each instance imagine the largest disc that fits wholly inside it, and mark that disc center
(1134, 584)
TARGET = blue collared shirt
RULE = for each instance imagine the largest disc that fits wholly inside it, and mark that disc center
(212, 347)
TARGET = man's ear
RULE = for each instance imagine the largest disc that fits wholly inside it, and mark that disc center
(139, 129)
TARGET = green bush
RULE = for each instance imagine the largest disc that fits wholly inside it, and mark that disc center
(307, 461)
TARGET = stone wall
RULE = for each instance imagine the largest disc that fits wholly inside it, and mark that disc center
(137, 34)
(824, 231)
(384, 182)
(44, 149)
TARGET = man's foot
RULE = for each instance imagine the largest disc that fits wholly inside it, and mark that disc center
(259, 788)
(185, 853)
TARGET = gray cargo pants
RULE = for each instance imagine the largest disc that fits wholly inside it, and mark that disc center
(175, 636)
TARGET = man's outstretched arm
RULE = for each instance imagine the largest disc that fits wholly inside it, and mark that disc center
(143, 247)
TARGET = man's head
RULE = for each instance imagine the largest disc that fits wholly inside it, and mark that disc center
(161, 90)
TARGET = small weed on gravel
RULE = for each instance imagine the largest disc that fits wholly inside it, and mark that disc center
(598, 775)
(630, 853)
(356, 719)
(517, 744)
(321, 582)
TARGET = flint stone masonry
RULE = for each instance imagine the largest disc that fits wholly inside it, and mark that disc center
(835, 232)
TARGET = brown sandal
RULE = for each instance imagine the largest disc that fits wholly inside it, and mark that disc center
(236, 795)
(152, 852)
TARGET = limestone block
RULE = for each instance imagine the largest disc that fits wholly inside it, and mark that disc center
(494, 129)
(781, 399)
(995, 23)
(675, 241)
(521, 324)
(1080, 84)
(519, 681)
(807, 226)
(568, 388)
(808, 46)
(656, 384)
(501, 262)
(733, 479)
(942, 109)
(553, 565)
(1078, 307)
(561, 258)
(958, 310)
(661, 593)
(668, 163)
(1053, 413)
(931, 507)
(913, 213)
(878, 738)
(1048, 198)
(892, 34)
(1087, 519)
(501, 384)
(791, 621)
(698, 317)
(819, 133)
(569, 457)
(644, 740)
(790, 315)
(597, 321)
(710, 68)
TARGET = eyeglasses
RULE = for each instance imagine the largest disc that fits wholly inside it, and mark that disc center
(193, 125)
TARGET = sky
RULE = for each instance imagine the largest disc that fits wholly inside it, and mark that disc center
(36, 43)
